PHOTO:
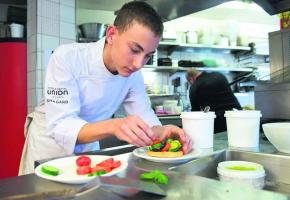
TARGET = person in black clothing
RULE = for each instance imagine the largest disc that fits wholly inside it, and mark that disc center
(211, 89)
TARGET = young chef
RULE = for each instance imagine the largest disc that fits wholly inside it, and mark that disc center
(86, 83)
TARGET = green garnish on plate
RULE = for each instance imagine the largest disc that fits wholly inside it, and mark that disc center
(50, 170)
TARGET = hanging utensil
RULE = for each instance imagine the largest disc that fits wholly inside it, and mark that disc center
(206, 109)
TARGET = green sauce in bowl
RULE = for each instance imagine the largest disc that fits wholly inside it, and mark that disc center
(241, 168)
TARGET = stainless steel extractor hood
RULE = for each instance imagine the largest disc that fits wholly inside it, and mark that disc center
(172, 9)
(274, 6)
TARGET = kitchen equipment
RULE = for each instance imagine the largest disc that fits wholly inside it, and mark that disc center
(209, 62)
(170, 9)
(223, 41)
(164, 62)
(17, 30)
(243, 128)
(277, 95)
(199, 126)
(278, 134)
(207, 39)
(192, 37)
(243, 40)
(92, 30)
(189, 63)
(206, 109)
(180, 37)
(242, 172)
(169, 106)
(4, 30)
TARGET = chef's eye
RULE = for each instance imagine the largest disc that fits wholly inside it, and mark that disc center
(135, 51)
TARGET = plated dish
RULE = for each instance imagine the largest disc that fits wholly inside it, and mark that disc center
(142, 153)
(67, 167)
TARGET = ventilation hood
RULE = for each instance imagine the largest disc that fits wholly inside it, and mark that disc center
(172, 9)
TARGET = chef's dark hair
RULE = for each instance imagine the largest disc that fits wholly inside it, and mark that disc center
(141, 12)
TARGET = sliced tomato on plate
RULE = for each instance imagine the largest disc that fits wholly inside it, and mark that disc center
(166, 147)
(83, 161)
(101, 168)
(84, 170)
(156, 141)
(106, 163)
(116, 164)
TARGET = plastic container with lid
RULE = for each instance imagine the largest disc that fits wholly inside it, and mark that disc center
(243, 128)
(199, 126)
(249, 173)
(17, 30)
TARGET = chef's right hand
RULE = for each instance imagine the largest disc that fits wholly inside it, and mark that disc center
(133, 130)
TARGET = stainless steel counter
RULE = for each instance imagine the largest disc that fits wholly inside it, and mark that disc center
(170, 120)
(184, 183)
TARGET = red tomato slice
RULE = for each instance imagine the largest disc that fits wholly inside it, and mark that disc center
(156, 141)
(83, 161)
(100, 168)
(166, 147)
(83, 170)
(116, 164)
(106, 163)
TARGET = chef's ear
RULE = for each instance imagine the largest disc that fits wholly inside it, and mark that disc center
(110, 33)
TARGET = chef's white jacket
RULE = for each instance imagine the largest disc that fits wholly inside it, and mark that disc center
(80, 89)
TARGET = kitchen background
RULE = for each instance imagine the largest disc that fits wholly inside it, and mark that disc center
(216, 39)
(53, 22)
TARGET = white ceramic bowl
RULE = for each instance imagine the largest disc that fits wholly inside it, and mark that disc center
(278, 134)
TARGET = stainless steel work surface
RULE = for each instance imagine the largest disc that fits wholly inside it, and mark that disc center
(277, 167)
(194, 180)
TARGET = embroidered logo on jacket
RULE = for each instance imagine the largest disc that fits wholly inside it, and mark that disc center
(57, 95)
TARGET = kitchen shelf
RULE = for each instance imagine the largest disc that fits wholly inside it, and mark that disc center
(175, 69)
(170, 45)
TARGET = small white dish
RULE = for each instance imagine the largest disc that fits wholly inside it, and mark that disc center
(68, 167)
(142, 153)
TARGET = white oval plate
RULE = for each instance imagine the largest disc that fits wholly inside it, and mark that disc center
(68, 169)
(142, 153)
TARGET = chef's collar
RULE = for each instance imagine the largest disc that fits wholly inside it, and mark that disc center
(102, 43)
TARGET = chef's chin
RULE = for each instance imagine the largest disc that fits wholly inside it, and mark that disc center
(125, 73)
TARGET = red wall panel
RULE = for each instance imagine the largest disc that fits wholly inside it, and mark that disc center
(13, 105)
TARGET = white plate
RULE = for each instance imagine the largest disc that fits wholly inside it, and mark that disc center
(68, 169)
(142, 153)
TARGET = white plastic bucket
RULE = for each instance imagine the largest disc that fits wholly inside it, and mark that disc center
(243, 128)
(199, 126)
(17, 30)
(242, 172)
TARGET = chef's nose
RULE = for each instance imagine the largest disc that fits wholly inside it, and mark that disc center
(138, 62)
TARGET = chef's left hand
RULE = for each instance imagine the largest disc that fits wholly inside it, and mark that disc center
(168, 131)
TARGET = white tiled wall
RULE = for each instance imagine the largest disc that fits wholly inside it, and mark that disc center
(49, 24)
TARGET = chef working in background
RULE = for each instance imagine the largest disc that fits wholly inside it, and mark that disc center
(211, 89)
(86, 83)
